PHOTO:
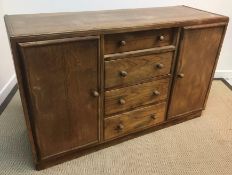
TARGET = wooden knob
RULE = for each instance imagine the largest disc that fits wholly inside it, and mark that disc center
(153, 116)
(123, 73)
(156, 93)
(122, 101)
(122, 43)
(161, 38)
(95, 94)
(120, 126)
(181, 75)
(159, 65)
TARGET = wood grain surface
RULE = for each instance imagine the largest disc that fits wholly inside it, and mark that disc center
(198, 54)
(123, 42)
(133, 121)
(108, 21)
(137, 68)
(135, 96)
(60, 79)
(83, 74)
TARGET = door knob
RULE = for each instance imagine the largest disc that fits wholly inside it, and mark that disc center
(122, 101)
(120, 127)
(181, 75)
(153, 116)
(123, 73)
(156, 93)
(161, 38)
(95, 93)
(159, 66)
(122, 43)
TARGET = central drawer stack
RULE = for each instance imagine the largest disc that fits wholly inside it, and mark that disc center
(138, 67)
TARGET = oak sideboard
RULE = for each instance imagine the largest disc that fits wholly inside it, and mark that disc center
(89, 80)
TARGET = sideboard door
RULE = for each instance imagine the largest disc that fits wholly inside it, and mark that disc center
(62, 83)
(197, 59)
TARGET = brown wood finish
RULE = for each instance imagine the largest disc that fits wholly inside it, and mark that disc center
(102, 88)
(57, 118)
(136, 69)
(108, 21)
(198, 53)
(173, 67)
(67, 66)
(216, 61)
(123, 42)
(134, 96)
(133, 121)
(75, 154)
(137, 53)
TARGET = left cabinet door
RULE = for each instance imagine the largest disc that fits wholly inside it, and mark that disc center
(62, 83)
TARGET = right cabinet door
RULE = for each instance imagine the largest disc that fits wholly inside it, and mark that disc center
(197, 59)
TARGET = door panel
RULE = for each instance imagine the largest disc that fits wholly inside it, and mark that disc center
(197, 58)
(61, 76)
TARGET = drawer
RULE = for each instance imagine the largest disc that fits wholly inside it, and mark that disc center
(134, 121)
(135, 69)
(123, 42)
(131, 97)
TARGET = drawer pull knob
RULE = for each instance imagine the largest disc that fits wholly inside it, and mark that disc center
(153, 116)
(95, 93)
(161, 38)
(120, 127)
(122, 101)
(122, 43)
(159, 66)
(156, 93)
(123, 73)
(181, 75)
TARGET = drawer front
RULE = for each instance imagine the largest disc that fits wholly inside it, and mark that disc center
(135, 69)
(134, 121)
(134, 96)
(123, 42)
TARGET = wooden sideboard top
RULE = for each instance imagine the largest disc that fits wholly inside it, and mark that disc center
(108, 21)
